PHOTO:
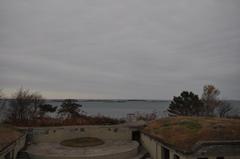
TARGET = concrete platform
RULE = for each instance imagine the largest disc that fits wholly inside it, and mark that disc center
(111, 149)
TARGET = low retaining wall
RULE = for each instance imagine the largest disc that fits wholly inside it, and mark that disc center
(124, 155)
(56, 134)
(13, 148)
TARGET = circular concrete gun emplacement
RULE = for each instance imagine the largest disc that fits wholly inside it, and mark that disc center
(82, 142)
(108, 150)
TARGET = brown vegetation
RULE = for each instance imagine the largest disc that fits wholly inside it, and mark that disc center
(81, 120)
(184, 132)
(8, 135)
(82, 142)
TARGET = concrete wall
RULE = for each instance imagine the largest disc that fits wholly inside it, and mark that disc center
(124, 155)
(154, 148)
(225, 157)
(56, 134)
(13, 148)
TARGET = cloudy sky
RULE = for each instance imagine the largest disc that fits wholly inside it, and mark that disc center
(142, 49)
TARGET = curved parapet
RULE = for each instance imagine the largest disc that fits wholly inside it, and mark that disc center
(109, 150)
(55, 134)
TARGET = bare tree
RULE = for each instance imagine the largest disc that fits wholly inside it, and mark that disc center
(224, 108)
(19, 105)
(210, 99)
(2, 102)
(37, 101)
(24, 105)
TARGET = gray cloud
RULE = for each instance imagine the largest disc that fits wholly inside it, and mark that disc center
(120, 49)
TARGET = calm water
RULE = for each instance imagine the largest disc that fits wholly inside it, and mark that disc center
(122, 108)
(119, 109)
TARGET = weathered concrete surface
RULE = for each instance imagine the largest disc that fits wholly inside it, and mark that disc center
(116, 149)
(13, 148)
(56, 134)
(118, 144)
(154, 147)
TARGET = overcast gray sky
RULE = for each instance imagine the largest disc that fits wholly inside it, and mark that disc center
(144, 49)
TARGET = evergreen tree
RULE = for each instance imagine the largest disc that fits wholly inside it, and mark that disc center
(46, 108)
(187, 104)
(70, 109)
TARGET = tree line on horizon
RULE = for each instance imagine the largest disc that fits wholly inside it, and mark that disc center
(29, 108)
(189, 104)
(28, 105)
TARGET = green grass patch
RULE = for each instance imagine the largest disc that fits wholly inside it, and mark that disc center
(167, 124)
(190, 124)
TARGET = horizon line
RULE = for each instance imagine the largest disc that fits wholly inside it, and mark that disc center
(120, 99)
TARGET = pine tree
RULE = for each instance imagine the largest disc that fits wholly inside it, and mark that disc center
(187, 104)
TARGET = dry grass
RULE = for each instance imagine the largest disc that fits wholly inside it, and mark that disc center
(82, 120)
(184, 132)
(8, 135)
(82, 142)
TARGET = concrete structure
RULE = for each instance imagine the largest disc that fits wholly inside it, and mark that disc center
(118, 142)
(154, 147)
(198, 138)
(56, 134)
(43, 143)
(131, 117)
(109, 150)
(11, 149)
(192, 138)
(203, 150)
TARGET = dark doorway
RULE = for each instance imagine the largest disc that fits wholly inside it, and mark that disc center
(136, 135)
(8, 156)
(176, 157)
(165, 153)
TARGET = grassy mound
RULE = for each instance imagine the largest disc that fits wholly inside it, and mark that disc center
(82, 142)
(184, 132)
